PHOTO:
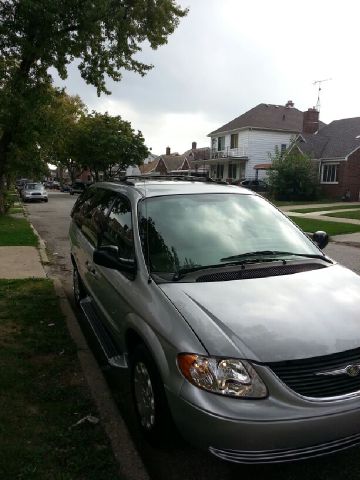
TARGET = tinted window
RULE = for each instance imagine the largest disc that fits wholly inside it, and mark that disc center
(119, 229)
(90, 212)
(185, 231)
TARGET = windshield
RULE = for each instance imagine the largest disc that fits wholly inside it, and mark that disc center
(187, 231)
(34, 186)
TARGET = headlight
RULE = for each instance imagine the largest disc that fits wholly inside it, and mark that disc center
(228, 376)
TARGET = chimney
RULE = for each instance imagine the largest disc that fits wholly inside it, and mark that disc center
(289, 104)
(167, 150)
(311, 121)
(193, 146)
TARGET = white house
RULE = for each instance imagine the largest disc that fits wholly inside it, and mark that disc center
(240, 149)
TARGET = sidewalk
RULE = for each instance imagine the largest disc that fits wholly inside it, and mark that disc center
(20, 262)
(352, 239)
(290, 208)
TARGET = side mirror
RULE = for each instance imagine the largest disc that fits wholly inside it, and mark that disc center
(108, 256)
(321, 239)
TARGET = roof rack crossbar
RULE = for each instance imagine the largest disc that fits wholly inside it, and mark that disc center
(190, 178)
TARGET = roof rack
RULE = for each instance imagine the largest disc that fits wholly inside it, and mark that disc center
(131, 179)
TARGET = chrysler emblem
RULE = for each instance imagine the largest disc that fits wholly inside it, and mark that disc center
(350, 371)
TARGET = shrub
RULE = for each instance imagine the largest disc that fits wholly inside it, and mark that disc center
(293, 176)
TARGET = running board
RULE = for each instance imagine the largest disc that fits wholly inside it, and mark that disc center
(107, 345)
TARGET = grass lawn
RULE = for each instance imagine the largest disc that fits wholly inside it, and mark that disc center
(284, 203)
(16, 231)
(13, 210)
(332, 228)
(43, 393)
(355, 214)
(319, 209)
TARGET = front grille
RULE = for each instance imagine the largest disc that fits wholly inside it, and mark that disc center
(300, 375)
(36, 193)
(248, 273)
(286, 455)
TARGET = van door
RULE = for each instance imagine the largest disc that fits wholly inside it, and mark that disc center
(114, 287)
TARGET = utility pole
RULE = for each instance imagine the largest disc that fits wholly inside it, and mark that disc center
(319, 82)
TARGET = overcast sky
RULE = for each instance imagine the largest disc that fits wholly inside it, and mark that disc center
(228, 56)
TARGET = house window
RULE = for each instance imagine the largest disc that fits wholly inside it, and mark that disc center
(220, 170)
(329, 173)
(283, 148)
(221, 143)
(234, 140)
(232, 170)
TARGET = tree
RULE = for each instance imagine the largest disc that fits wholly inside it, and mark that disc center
(59, 144)
(107, 144)
(105, 35)
(292, 176)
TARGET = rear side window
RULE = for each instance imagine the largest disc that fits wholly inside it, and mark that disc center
(119, 228)
(90, 212)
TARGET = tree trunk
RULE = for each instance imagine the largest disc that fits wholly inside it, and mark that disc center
(4, 147)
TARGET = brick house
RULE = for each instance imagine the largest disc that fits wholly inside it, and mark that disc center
(165, 164)
(336, 149)
(197, 157)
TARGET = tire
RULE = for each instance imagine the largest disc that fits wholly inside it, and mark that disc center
(78, 287)
(149, 397)
(46, 200)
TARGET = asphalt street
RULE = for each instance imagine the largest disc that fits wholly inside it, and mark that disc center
(179, 460)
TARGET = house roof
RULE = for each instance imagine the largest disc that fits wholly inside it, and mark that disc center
(267, 116)
(173, 162)
(275, 117)
(195, 154)
(149, 167)
(335, 140)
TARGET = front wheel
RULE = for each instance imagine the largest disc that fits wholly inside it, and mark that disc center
(149, 396)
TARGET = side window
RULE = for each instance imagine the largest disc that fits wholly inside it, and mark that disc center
(119, 228)
(90, 216)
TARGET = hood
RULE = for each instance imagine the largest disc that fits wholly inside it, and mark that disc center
(277, 318)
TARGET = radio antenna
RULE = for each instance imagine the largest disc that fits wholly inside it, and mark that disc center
(319, 82)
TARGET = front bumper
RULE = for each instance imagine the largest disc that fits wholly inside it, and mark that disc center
(265, 431)
(32, 198)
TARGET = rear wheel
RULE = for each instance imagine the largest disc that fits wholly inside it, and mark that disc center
(149, 397)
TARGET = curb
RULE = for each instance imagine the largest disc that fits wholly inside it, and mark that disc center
(130, 463)
(42, 247)
(348, 244)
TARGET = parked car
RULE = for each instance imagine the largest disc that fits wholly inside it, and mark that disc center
(64, 187)
(255, 185)
(33, 192)
(77, 187)
(232, 323)
(21, 183)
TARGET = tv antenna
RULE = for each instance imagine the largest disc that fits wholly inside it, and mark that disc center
(319, 82)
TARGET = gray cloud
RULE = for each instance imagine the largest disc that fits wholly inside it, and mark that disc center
(226, 57)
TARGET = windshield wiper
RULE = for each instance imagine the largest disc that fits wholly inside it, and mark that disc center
(272, 253)
(249, 257)
(181, 272)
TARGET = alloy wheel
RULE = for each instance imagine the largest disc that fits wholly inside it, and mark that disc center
(144, 396)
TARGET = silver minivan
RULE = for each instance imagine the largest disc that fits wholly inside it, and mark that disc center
(232, 322)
